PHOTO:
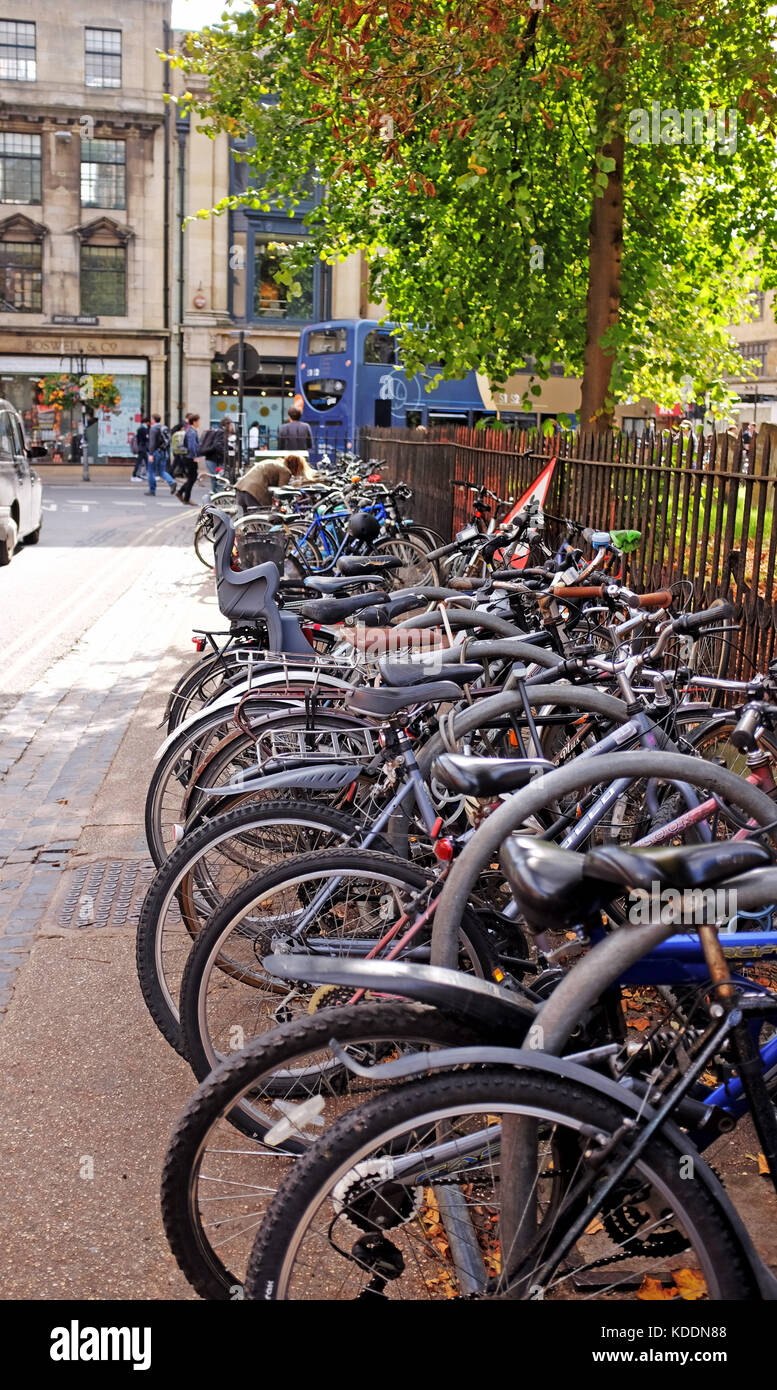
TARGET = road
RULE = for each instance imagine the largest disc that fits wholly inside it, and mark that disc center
(86, 558)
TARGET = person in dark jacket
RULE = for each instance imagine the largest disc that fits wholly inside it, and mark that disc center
(141, 458)
(184, 493)
(295, 434)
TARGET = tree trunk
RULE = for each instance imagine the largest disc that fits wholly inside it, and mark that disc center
(605, 242)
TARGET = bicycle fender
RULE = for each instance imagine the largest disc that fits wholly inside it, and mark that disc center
(319, 778)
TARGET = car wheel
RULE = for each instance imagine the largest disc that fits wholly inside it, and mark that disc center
(33, 537)
(5, 553)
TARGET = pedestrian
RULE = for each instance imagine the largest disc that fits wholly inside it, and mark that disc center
(58, 456)
(189, 460)
(140, 470)
(295, 433)
(253, 489)
(158, 456)
(214, 449)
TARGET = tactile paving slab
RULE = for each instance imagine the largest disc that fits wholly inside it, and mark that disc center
(107, 893)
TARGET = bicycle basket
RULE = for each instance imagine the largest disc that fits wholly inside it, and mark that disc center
(257, 548)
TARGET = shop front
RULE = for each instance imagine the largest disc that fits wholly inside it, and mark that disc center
(51, 416)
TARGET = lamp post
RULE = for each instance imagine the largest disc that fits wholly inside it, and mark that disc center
(78, 366)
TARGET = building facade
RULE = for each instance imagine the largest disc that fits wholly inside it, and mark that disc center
(224, 282)
(84, 214)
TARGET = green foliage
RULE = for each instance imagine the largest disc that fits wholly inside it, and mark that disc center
(454, 141)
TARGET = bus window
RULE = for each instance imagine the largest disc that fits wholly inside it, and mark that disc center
(447, 417)
(413, 418)
(380, 349)
(327, 340)
(323, 392)
(383, 415)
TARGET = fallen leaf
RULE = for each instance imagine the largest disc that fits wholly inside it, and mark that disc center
(653, 1291)
(691, 1283)
(763, 1166)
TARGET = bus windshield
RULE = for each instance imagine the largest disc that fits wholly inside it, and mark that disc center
(322, 341)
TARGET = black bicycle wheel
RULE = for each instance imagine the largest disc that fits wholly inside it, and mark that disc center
(355, 896)
(209, 866)
(215, 1179)
(405, 1184)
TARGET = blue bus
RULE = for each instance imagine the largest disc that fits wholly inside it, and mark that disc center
(348, 376)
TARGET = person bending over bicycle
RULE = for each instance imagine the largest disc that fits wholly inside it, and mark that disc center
(253, 489)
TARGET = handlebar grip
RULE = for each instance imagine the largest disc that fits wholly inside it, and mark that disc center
(743, 736)
(579, 591)
(443, 550)
(661, 599)
(693, 622)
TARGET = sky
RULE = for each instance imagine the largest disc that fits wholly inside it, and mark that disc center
(194, 14)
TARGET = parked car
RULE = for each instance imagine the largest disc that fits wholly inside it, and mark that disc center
(21, 490)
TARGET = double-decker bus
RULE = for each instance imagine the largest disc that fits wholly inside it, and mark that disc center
(348, 376)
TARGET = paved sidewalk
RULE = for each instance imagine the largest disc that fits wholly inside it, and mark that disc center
(90, 1090)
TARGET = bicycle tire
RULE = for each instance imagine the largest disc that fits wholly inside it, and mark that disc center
(166, 888)
(653, 764)
(418, 1107)
(203, 959)
(226, 1087)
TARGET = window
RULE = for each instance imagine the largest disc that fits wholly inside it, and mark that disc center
(380, 348)
(18, 437)
(17, 51)
(21, 277)
(19, 168)
(102, 63)
(103, 280)
(272, 298)
(327, 340)
(755, 353)
(6, 436)
(103, 173)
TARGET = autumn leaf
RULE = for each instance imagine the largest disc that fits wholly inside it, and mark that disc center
(763, 1166)
(653, 1291)
(691, 1283)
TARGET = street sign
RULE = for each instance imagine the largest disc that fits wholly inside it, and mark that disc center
(232, 360)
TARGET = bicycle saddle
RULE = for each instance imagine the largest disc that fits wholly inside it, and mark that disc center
(333, 610)
(367, 564)
(562, 887)
(379, 704)
(676, 866)
(486, 776)
(340, 583)
(413, 672)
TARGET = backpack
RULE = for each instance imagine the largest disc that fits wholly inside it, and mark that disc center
(133, 443)
(212, 445)
(179, 442)
(163, 440)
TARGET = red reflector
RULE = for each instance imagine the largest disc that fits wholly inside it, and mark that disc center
(443, 849)
(199, 643)
(373, 477)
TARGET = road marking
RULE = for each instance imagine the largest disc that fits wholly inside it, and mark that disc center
(49, 506)
(127, 503)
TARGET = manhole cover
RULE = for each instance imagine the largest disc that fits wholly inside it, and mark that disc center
(105, 894)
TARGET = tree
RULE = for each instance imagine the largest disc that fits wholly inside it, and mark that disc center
(528, 180)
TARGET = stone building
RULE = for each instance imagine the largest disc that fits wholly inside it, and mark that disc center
(224, 282)
(84, 217)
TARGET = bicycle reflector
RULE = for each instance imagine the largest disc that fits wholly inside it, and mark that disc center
(373, 477)
(199, 643)
(443, 849)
